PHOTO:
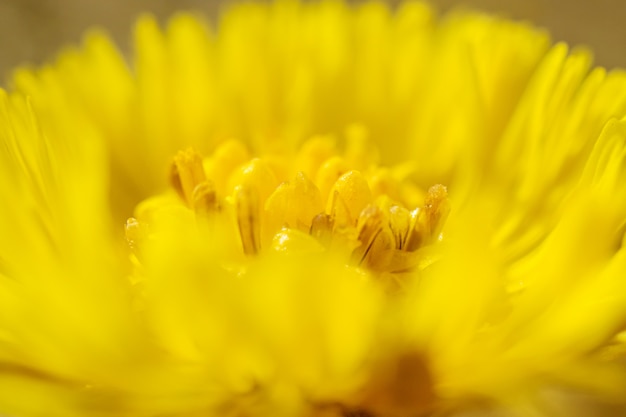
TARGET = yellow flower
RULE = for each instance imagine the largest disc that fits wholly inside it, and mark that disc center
(314, 210)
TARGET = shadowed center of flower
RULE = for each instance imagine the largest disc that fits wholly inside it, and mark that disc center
(317, 200)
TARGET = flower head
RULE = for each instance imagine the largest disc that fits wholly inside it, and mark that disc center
(313, 210)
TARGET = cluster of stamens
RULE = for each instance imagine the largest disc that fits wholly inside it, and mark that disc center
(342, 203)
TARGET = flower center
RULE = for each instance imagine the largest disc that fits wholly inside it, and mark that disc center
(318, 199)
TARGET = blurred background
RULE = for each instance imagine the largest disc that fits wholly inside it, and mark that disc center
(32, 30)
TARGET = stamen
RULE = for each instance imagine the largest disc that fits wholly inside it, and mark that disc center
(369, 227)
(277, 207)
(187, 172)
(337, 212)
(352, 193)
(427, 222)
(248, 219)
(400, 225)
(437, 208)
(416, 232)
(293, 204)
(256, 175)
(205, 199)
(305, 203)
(322, 228)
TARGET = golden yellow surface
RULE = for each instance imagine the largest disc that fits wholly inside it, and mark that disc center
(362, 305)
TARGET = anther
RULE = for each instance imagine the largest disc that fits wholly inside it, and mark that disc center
(427, 222)
(258, 175)
(437, 208)
(205, 199)
(416, 235)
(369, 227)
(341, 211)
(352, 193)
(293, 204)
(400, 225)
(322, 228)
(248, 218)
(305, 201)
(186, 173)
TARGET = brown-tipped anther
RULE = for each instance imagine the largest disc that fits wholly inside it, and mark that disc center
(186, 173)
(353, 206)
(399, 225)
(247, 208)
(322, 228)
(416, 235)
(369, 227)
(427, 221)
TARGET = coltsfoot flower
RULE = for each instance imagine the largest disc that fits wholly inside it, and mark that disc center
(314, 210)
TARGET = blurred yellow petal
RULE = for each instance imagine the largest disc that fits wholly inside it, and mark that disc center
(314, 209)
